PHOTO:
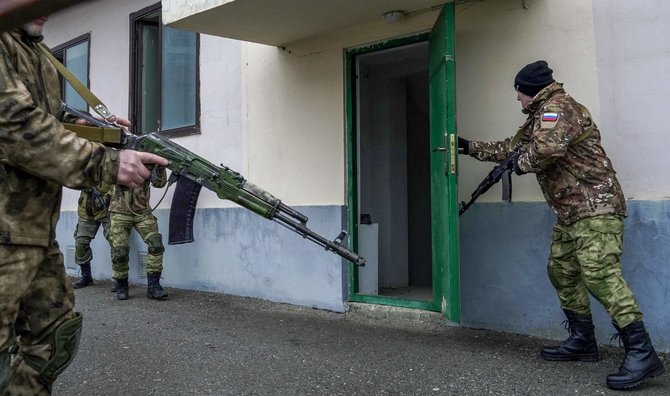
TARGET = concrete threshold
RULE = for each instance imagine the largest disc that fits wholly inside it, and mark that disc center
(387, 315)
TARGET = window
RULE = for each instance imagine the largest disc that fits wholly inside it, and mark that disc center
(164, 76)
(75, 56)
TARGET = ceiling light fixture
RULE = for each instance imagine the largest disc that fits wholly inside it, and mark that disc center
(394, 16)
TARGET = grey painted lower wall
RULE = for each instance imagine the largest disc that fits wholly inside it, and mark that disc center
(504, 249)
(504, 283)
(238, 252)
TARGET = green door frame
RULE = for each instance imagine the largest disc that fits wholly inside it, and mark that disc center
(444, 197)
(444, 161)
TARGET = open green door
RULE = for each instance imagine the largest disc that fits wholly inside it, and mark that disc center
(443, 162)
(402, 171)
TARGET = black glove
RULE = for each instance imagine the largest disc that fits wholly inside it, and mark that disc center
(515, 165)
(463, 146)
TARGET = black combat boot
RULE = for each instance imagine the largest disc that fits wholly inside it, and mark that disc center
(122, 289)
(154, 289)
(641, 361)
(86, 279)
(580, 345)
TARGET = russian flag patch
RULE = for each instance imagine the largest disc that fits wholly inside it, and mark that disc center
(549, 117)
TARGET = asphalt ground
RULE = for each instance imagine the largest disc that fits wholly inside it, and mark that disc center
(202, 343)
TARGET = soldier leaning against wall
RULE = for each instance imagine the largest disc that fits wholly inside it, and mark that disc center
(560, 143)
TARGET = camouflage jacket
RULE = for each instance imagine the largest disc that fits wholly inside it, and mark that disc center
(574, 172)
(94, 202)
(38, 155)
(136, 200)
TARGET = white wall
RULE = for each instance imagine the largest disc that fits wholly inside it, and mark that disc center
(278, 117)
(275, 115)
(494, 40)
(612, 56)
(295, 124)
(633, 59)
(301, 97)
(280, 139)
(295, 112)
(221, 79)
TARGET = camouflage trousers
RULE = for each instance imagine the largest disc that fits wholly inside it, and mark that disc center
(584, 259)
(36, 297)
(119, 234)
(84, 233)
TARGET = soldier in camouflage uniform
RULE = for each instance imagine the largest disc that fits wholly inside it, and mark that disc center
(92, 211)
(130, 208)
(560, 143)
(39, 329)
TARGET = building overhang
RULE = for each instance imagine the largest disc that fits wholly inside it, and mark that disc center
(281, 22)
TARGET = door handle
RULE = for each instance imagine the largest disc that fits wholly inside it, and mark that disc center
(452, 152)
(450, 140)
(436, 149)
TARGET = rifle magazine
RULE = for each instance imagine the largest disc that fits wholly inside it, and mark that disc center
(182, 211)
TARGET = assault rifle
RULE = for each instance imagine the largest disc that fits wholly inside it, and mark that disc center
(500, 170)
(191, 171)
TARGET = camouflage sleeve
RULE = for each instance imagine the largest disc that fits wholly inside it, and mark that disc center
(36, 142)
(491, 151)
(159, 177)
(559, 125)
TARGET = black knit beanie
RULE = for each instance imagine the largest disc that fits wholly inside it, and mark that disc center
(533, 77)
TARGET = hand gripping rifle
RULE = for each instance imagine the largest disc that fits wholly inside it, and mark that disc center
(191, 172)
(500, 170)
